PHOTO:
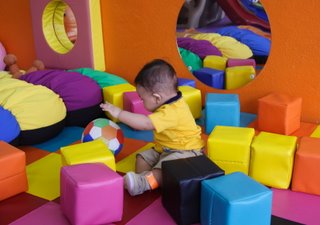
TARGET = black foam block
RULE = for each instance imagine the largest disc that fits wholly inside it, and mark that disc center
(181, 186)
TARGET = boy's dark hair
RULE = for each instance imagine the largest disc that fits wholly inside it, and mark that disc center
(156, 76)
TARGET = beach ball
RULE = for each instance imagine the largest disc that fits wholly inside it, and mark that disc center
(106, 130)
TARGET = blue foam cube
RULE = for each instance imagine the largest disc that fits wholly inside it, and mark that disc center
(235, 199)
(186, 82)
(211, 77)
(221, 109)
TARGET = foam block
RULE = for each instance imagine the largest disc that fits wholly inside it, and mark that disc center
(181, 186)
(239, 76)
(88, 152)
(215, 62)
(235, 199)
(211, 77)
(192, 96)
(279, 113)
(133, 103)
(221, 109)
(114, 95)
(229, 148)
(91, 194)
(186, 81)
(272, 157)
(241, 62)
(13, 178)
(306, 166)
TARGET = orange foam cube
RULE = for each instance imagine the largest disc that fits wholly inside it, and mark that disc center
(306, 177)
(13, 178)
(279, 113)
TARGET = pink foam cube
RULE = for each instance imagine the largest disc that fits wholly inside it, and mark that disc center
(133, 103)
(241, 62)
(91, 193)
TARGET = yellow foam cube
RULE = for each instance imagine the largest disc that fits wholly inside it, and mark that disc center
(88, 152)
(114, 95)
(215, 62)
(229, 148)
(239, 76)
(272, 157)
(192, 96)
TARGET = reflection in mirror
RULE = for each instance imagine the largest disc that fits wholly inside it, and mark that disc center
(70, 24)
(59, 26)
(224, 43)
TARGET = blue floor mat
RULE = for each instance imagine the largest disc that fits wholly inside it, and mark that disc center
(66, 137)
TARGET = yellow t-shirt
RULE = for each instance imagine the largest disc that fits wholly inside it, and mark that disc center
(175, 127)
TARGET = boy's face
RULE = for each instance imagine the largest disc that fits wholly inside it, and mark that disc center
(150, 100)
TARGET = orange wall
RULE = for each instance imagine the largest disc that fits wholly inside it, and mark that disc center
(136, 31)
(16, 30)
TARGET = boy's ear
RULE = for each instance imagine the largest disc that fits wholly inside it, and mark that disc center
(157, 97)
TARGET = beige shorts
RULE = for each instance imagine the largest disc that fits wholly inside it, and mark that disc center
(155, 159)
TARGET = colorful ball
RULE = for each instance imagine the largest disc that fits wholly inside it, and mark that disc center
(106, 130)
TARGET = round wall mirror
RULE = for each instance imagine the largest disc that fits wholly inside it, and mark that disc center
(224, 43)
(59, 26)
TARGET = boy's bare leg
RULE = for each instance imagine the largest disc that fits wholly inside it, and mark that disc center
(144, 179)
(142, 165)
(157, 173)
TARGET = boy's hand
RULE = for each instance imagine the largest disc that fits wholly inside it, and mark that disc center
(113, 110)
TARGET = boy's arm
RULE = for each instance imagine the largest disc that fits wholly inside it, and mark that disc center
(134, 120)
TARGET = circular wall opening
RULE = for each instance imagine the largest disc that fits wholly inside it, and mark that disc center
(59, 26)
(224, 43)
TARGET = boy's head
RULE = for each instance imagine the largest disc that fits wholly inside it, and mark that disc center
(156, 83)
(157, 76)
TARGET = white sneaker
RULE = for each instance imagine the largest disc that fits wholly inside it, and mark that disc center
(136, 184)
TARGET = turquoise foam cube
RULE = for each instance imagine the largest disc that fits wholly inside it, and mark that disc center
(235, 199)
(221, 109)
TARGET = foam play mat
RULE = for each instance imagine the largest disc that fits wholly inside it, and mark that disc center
(42, 200)
(44, 177)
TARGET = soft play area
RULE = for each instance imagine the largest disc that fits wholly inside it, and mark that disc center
(247, 69)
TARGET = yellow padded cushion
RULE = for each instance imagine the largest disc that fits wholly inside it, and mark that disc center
(229, 148)
(88, 152)
(192, 96)
(114, 95)
(272, 157)
(229, 46)
(34, 106)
